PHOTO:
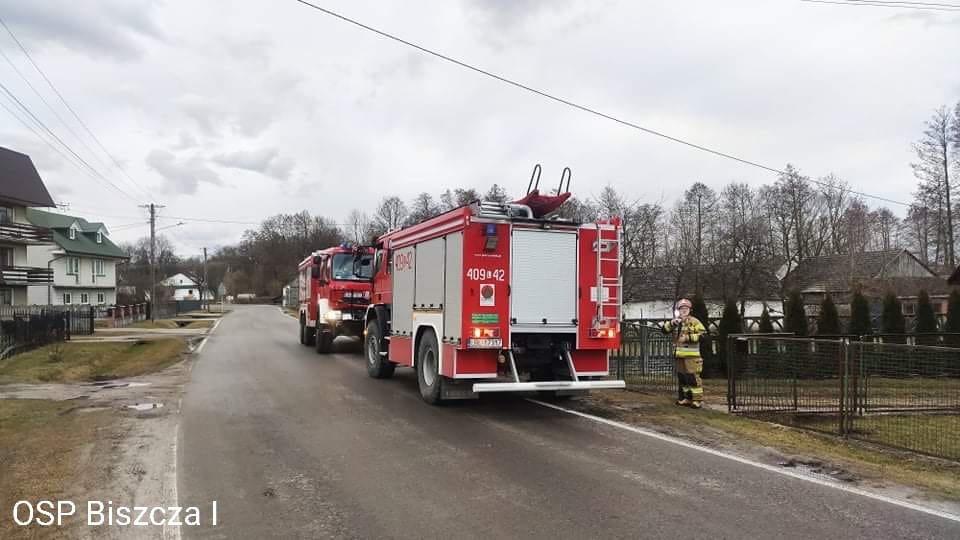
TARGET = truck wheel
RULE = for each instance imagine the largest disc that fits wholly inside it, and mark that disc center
(428, 368)
(324, 340)
(378, 366)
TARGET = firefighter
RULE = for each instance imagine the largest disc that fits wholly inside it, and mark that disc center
(686, 330)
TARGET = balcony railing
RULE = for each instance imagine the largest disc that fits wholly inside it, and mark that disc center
(23, 232)
(25, 275)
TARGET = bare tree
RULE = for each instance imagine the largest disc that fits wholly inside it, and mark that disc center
(496, 193)
(390, 214)
(358, 227)
(934, 151)
(458, 197)
(422, 208)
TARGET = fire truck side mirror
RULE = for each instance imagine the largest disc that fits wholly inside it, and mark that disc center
(315, 271)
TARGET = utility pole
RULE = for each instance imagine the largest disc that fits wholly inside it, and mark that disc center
(204, 275)
(153, 259)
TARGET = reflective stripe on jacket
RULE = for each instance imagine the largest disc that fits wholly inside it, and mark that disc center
(693, 329)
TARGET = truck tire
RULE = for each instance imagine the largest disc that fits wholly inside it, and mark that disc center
(309, 336)
(378, 366)
(303, 332)
(428, 368)
(324, 340)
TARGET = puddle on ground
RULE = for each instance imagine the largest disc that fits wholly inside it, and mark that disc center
(144, 406)
(91, 409)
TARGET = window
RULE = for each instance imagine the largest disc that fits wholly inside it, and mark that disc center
(73, 233)
(98, 267)
(6, 256)
(101, 298)
(84, 298)
(909, 308)
(6, 297)
(67, 298)
(940, 307)
(99, 237)
(6, 214)
(73, 265)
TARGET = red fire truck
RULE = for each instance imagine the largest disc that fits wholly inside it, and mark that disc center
(488, 298)
(335, 290)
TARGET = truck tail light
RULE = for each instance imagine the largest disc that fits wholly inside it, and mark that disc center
(603, 332)
(485, 332)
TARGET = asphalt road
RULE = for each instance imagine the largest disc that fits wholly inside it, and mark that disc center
(294, 444)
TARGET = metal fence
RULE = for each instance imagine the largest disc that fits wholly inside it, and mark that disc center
(893, 394)
(645, 359)
(80, 316)
(170, 310)
(122, 316)
(26, 329)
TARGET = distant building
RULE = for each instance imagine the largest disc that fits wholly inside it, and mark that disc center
(185, 288)
(874, 273)
(20, 188)
(651, 292)
(82, 257)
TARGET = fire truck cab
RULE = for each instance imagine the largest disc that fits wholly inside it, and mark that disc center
(335, 290)
(488, 298)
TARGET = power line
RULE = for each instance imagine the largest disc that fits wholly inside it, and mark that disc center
(896, 5)
(206, 220)
(574, 105)
(42, 139)
(71, 109)
(62, 143)
(50, 107)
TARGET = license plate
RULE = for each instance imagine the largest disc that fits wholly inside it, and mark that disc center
(484, 343)
(347, 317)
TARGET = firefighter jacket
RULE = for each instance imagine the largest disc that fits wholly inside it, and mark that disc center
(693, 329)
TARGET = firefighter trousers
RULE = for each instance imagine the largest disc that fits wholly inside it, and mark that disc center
(688, 373)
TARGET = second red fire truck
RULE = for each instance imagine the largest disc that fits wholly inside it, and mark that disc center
(489, 298)
(335, 290)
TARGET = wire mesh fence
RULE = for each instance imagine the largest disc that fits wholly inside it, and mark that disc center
(894, 394)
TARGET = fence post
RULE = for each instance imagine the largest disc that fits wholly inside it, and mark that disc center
(731, 371)
(843, 365)
(644, 349)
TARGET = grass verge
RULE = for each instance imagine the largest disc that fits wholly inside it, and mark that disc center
(84, 362)
(41, 453)
(869, 463)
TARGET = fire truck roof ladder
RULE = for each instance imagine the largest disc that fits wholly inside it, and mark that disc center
(612, 286)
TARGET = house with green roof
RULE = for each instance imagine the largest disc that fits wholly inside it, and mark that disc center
(82, 257)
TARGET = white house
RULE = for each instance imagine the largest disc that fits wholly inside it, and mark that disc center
(651, 292)
(20, 187)
(82, 258)
(185, 288)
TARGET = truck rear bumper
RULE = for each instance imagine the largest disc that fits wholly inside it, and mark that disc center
(546, 385)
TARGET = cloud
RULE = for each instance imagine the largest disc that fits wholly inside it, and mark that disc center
(266, 161)
(116, 28)
(186, 141)
(249, 118)
(182, 176)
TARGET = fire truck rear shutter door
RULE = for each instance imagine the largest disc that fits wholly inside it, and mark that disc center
(429, 286)
(543, 277)
(453, 286)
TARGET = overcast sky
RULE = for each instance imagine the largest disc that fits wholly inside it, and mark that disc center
(243, 109)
